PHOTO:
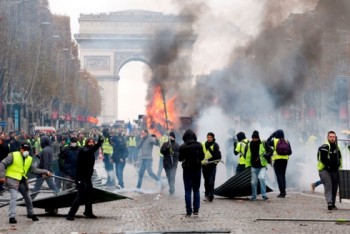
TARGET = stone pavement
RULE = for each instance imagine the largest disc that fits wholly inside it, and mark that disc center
(157, 212)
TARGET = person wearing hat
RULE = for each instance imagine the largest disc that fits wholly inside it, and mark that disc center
(170, 150)
(13, 171)
(257, 157)
(212, 156)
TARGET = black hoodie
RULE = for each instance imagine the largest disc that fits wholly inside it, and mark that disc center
(191, 151)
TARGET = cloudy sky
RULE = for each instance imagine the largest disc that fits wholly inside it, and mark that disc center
(224, 14)
(131, 86)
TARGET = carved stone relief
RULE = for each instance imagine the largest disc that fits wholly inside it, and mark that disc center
(97, 63)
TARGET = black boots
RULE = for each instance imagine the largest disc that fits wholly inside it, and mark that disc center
(33, 217)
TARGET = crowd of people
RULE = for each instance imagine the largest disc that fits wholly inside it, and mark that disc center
(72, 154)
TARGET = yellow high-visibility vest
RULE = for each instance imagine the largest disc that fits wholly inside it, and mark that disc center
(19, 166)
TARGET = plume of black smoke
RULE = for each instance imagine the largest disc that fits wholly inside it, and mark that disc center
(281, 61)
(170, 58)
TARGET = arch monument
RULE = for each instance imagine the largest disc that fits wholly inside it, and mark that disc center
(108, 41)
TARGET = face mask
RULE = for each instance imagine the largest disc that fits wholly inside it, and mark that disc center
(25, 153)
(73, 144)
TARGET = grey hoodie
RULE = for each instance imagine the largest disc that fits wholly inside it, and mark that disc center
(146, 146)
(46, 154)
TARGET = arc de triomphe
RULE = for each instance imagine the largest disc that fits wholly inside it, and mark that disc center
(108, 41)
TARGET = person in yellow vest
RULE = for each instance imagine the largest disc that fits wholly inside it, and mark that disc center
(81, 140)
(212, 156)
(13, 171)
(107, 150)
(257, 157)
(132, 149)
(240, 150)
(162, 140)
(279, 161)
(329, 162)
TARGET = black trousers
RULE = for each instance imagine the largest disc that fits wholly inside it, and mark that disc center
(209, 173)
(84, 195)
(280, 166)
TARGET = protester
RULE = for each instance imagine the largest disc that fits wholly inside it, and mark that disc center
(280, 160)
(85, 169)
(329, 162)
(212, 156)
(15, 167)
(191, 155)
(170, 151)
(145, 145)
(45, 162)
(257, 157)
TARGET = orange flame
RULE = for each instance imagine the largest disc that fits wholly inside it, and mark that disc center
(155, 119)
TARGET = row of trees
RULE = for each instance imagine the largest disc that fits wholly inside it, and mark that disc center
(39, 65)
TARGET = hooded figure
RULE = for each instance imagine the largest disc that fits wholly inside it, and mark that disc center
(279, 161)
(46, 156)
(191, 154)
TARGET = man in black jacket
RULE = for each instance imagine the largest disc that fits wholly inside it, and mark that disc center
(329, 163)
(120, 153)
(212, 156)
(191, 155)
(170, 151)
(85, 169)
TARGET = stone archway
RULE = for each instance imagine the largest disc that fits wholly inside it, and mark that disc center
(108, 41)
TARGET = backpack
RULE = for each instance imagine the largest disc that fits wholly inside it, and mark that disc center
(283, 147)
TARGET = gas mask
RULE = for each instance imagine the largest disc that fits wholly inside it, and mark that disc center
(25, 153)
(73, 144)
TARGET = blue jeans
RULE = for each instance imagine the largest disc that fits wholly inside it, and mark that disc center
(192, 182)
(146, 164)
(119, 170)
(258, 173)
(39, 182)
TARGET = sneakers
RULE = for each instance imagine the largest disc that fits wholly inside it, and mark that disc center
(70, 218)
(313, 186)
(265, 198)
(281, 195)
(253, 198)
(33, 217)
(195, 213)
(335, 208)
(187, 215)
(12, 220)
(90, 216)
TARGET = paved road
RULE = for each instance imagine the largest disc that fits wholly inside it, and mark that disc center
(157, 212)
